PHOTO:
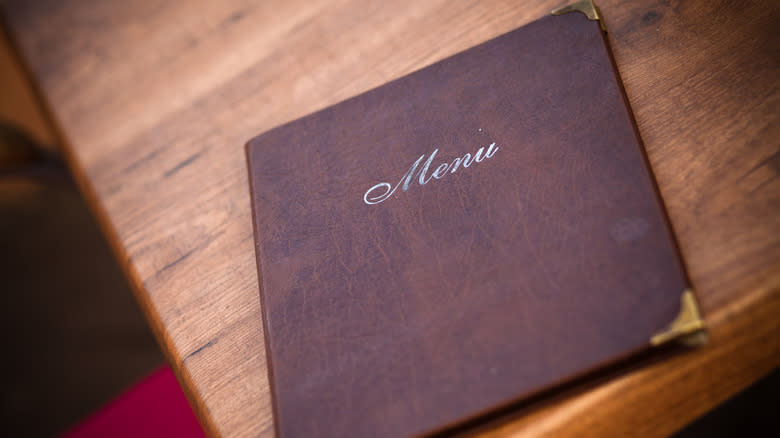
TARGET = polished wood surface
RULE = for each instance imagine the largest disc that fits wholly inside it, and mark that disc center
(156, 99)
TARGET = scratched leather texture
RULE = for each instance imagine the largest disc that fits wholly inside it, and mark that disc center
(547, 260)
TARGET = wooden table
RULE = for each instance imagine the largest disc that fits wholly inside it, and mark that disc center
(154, 101)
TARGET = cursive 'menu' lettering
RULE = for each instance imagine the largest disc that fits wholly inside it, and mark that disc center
(383, 190)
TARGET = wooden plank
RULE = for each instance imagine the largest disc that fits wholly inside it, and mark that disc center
(155, 100)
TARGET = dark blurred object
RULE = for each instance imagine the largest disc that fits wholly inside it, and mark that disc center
(21, 157)
(72, 333)
(754, 409)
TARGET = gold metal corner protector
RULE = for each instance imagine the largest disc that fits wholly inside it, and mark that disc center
(587, 7)
(687, 328)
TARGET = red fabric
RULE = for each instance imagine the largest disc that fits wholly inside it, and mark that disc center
(155, 407)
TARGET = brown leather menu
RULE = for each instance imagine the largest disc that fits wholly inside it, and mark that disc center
(461, 238)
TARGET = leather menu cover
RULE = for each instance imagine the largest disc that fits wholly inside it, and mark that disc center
(459, 239)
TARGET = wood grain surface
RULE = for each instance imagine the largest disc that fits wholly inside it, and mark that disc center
(155, 101)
